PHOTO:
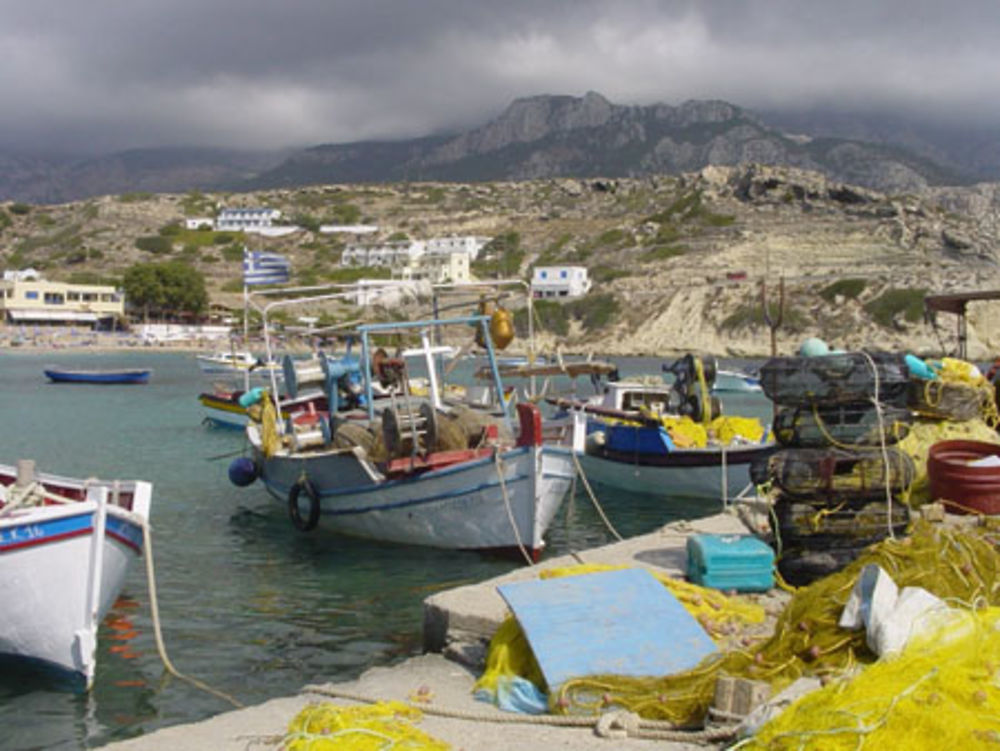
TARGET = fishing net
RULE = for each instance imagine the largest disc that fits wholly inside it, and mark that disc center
(941, 692)
(952, 563)
(331, 727)
(686, 433)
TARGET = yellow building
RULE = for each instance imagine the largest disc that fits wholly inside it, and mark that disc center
(40, 301)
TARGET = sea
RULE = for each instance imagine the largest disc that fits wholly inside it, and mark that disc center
(248, 605)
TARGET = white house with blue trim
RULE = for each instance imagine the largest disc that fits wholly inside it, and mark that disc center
(560, 281)
(236, 219)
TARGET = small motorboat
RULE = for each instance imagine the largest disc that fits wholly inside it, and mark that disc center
(126, 375)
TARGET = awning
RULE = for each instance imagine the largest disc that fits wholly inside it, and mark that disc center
(76, 316)
(956, 302)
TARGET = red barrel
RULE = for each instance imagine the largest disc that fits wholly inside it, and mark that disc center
(963, 488)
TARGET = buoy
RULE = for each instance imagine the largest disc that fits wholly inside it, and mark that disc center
(242, 471)
(814, 347)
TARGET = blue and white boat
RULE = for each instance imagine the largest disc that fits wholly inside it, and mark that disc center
(65, 548)
(111, 376)
(428, 470)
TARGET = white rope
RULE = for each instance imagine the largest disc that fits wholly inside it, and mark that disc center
(608, 721)
(510, 511)
(593, 497)
(885, 451)
(147, 540)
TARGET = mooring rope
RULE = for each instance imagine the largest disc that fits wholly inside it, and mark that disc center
(510, 511)
(593, 497)
(147, 540)
(614, 724)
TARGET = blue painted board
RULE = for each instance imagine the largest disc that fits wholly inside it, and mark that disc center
(622, 622)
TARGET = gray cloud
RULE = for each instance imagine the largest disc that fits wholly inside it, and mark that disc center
(107, 74)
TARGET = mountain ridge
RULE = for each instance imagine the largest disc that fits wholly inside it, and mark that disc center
(536, 137)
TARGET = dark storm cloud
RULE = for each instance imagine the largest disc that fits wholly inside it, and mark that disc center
(109, 74)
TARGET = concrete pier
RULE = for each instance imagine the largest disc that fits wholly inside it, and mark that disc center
(457, 627)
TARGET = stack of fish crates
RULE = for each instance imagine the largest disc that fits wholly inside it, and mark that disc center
(837, 477)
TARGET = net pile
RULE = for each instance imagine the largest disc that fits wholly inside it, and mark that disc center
(375, 727)
(953, 564)
(942, 691)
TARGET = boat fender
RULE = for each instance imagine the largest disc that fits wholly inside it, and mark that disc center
(308, 523)
(242, 471)
(251, 397)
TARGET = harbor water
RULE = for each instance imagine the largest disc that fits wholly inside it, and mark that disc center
(248, 605)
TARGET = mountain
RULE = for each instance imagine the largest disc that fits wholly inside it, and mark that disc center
(546, 137)
(564, 136)
(50, 179)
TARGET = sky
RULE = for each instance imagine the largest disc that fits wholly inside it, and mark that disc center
(96, 76)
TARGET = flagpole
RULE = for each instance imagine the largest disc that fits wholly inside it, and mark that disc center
(246, 320)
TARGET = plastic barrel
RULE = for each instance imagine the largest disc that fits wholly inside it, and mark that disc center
(961, 487)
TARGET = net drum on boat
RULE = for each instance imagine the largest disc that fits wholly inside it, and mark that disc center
(836, 473)
(853, 424)
(842, 377)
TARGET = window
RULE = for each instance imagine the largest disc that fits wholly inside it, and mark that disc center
(31, 295)
(562, 274)
(73, 296)
(54, 298)
(543, 274)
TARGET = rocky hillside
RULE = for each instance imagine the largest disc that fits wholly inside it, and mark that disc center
(678, 261)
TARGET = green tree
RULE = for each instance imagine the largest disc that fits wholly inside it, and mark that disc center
(165, 288)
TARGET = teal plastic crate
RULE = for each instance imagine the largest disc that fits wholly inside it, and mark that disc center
(739, 562)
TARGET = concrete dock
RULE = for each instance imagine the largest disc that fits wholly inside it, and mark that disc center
(457, 627)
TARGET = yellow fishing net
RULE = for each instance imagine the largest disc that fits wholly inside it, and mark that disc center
(686, 433)
(941, 692)
(721, 616)
(370, 727)
(952, 563)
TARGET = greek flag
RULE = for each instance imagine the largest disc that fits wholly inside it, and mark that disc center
(265, 268)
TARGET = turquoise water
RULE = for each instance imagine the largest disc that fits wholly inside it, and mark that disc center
(248, 605)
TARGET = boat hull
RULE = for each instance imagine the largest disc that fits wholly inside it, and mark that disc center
(692, 473)
(61, 569)
(97, 376)
(469, 505)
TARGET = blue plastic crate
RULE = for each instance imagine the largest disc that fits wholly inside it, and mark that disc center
(740, 562)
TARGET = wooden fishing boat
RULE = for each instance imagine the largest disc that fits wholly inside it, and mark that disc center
(65, 548)
(109, 376)
(416, 470)
(627, 437)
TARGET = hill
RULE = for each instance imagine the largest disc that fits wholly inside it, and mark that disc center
(677, 261)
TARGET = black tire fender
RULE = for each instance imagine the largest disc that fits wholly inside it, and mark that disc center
(308, 523)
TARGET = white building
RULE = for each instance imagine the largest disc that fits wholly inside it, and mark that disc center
(560, 281)
(199, 222)
(391, 255)
(245, 220)
(468, 244)
(348, 229)
(24, 275)
(437, 268)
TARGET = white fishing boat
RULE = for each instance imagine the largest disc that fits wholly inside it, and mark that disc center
(736, 381)
(65, 548)
(421, 470)
(654, 438)
(237, 362)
